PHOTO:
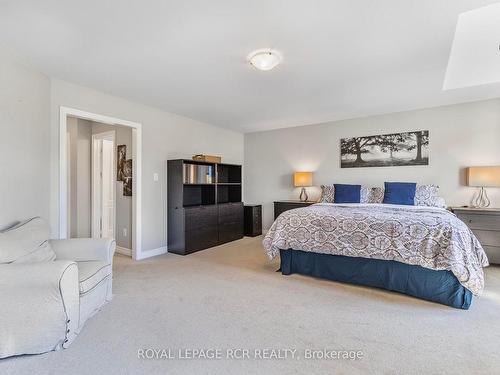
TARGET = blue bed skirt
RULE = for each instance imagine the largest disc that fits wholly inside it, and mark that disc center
(437, 286)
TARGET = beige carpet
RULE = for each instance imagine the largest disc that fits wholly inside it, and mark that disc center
(230, 297)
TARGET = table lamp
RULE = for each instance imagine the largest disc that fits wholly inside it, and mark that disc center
(303, 179)
(483, 177)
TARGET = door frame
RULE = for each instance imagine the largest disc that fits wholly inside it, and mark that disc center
(95, 136)
(136, 232)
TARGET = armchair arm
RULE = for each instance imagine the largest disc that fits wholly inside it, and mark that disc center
(84, 249)
(40, 306)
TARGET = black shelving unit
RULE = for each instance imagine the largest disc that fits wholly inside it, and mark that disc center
(204, 205)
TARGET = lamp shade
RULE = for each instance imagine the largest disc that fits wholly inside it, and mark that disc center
(301, 179)
(483, 176)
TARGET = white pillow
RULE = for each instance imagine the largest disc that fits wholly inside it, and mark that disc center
(327, 194)
(26, 242)
(371, 195)
(428, 195)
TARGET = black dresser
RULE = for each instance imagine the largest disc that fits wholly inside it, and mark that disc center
(282, 206)
(204, 205)
(253, 220)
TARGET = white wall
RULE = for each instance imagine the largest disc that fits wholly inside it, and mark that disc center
(165, 136)
(460, 136)
(80, 211)
(24, 141)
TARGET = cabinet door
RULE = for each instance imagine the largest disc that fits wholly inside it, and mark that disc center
(200, 228)
(200, 217)
(230, 222)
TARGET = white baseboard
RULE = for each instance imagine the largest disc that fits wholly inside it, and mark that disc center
(123, 251)
(153, 252)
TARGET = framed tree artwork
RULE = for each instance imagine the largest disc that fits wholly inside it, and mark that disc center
(387, 150)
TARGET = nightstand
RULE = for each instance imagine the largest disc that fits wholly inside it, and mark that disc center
(282, 206)
(252, 220)
(485, 224)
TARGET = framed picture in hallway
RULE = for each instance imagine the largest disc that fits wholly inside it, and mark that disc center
(121, 158)
(127, 178)
(127, 187)
(386, 150)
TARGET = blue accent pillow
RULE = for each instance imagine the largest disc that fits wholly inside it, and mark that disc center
(347, 193)
(400, 193)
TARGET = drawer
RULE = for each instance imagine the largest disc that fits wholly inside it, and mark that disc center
(257, 214)
(493, 253)
(280, 207)
(230, 232)
(231, 212)
(200, 217)
(475, 221)
(200, 239)
(257, 224)
(278, 210)
(487, 237)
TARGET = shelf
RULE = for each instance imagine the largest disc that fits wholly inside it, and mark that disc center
(229, 193)
(198, 162)
(198, 194)
(228, 174)
(200, 184)
(229, 183)
(197, 205)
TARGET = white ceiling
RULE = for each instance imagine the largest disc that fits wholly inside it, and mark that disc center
(342, 58)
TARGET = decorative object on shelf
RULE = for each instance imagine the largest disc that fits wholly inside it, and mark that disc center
(121, 157)
(198, 174)
(207, 158)
(387, 150)
(303, 180)
(483, 177)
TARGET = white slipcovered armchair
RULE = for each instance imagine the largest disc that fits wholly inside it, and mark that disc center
(48, 293)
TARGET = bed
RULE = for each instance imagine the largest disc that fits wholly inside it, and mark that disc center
(425, 252)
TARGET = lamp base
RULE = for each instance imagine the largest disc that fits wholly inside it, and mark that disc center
(303, 195)
(482, 200)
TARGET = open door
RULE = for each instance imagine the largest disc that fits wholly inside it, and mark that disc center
(103, 185)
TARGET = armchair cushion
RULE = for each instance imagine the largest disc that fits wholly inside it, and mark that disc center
(38, 313)
(85, 249)
(91, 273)
(26, 242)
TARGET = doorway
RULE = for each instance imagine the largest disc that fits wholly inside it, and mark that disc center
(103, 185)
(103, 217)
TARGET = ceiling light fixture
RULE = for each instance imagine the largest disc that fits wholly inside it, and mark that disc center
(264, 59)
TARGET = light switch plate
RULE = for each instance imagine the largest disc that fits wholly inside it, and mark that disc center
(155, 177)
